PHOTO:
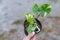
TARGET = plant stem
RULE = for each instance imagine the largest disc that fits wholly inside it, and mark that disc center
(38, 15)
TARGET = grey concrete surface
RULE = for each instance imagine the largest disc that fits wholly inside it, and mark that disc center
(11, 10)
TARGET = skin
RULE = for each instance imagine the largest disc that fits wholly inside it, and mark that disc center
(31, 36)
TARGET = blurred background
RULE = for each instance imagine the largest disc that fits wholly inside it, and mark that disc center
(12, 16)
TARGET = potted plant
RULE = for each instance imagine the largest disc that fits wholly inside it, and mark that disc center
(32, 24)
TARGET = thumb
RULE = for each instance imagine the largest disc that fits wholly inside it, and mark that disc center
(31, 35)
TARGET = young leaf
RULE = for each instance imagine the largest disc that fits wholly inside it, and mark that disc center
(30, 18)
(31, 28)
(35, 9)
(45, 9)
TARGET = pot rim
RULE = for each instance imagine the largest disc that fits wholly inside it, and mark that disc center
(40, 25)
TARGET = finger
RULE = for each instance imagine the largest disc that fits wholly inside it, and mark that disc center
(34, 38)
(30, 35)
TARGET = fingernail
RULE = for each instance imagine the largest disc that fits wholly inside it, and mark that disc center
(33, 33)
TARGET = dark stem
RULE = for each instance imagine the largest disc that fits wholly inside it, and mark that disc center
(38, 15)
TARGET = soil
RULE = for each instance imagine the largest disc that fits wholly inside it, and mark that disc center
(26, 24)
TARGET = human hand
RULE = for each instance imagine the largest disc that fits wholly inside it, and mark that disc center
(31, 36)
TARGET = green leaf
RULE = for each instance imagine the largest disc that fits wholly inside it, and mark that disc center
(35, 9)
(45, 9)
(31, 28)
(30, 18)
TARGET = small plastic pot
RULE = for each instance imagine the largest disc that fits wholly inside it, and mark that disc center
(26, 24)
